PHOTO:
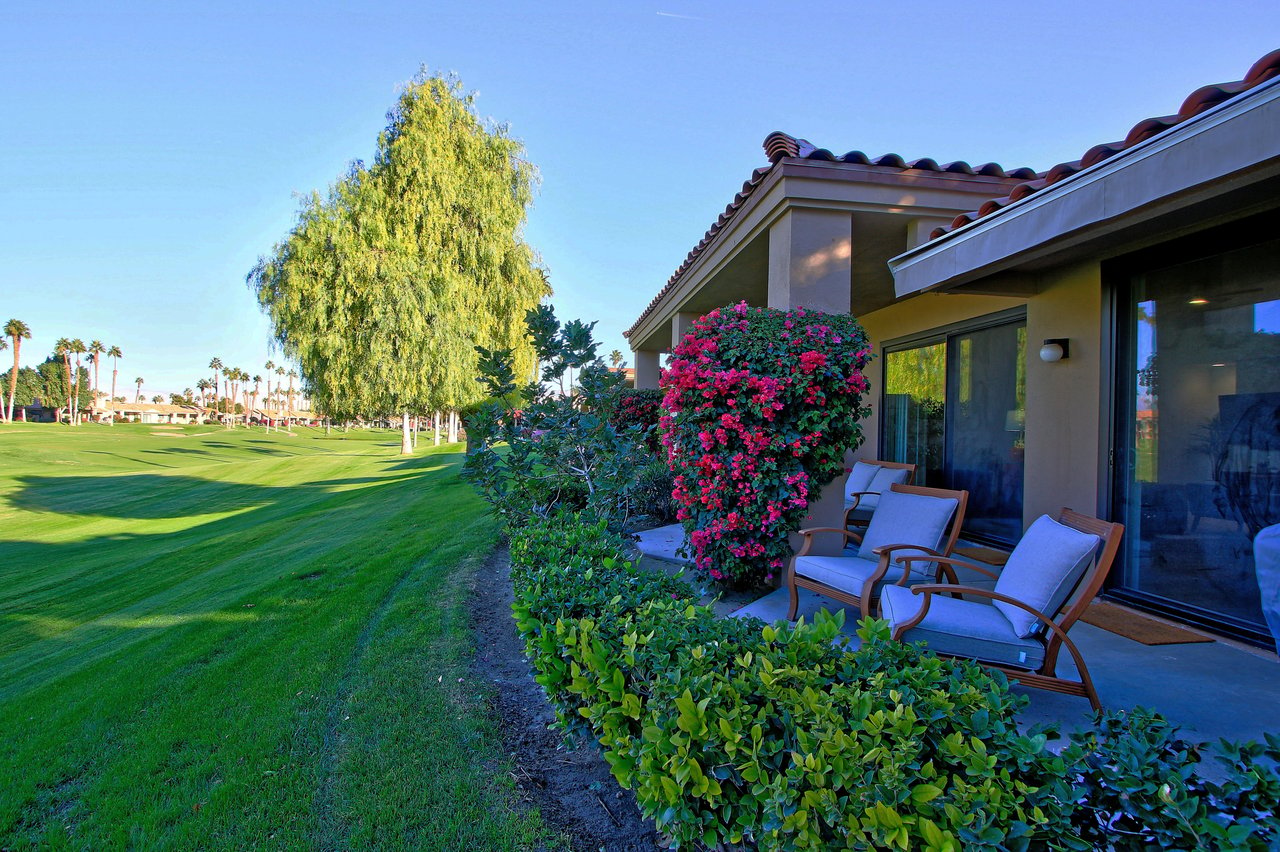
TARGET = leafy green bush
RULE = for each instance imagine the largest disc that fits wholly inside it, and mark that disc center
(536, 448)
(652, 492)
(733, 732)
(1139, 786)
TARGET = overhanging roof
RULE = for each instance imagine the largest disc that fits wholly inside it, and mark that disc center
(1224, 136)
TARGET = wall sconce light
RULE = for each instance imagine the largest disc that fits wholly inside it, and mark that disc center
(1055, 349)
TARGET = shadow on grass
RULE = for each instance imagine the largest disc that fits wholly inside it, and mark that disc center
(57, 595)
(153, 496)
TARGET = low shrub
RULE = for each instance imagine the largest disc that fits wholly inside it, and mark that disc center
(537, 448)
(1141, 786)
(734, 732)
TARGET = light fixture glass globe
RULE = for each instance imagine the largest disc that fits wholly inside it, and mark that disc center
(1051, 352)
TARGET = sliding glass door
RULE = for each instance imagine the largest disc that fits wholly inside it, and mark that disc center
(1198, 431)
(954, 405)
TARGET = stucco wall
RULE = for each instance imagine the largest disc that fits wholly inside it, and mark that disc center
(1063, 399)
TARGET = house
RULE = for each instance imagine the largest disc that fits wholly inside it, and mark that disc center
(150, 412)
(1103, 334)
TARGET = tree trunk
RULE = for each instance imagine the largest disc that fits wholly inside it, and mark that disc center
(453, 427)
(13, 377)
(67, 360)
(406, 443)
(114, 373)
(417, 427)
(436, 422)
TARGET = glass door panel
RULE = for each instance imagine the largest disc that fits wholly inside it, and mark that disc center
(987, 408)
(955, 407)
(915, 392)
(1200, 433)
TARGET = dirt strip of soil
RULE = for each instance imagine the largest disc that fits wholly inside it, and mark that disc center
(569, 784)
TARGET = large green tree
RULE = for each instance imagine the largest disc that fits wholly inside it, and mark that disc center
(389, 281)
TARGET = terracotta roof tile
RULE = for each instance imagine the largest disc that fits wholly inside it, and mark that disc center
(779, 146)
(1204, 98)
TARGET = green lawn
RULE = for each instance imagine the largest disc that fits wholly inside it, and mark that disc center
(229, 640)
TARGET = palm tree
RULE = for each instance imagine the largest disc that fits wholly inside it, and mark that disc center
(115, 354)
(78, 347)
(257, 386)
(157, 399)
(279, 384)
(215, 365)
(63, 348)
(96, 350)
(230, 375)
(138, 396)
(293, 374)
(615, 358)
(16, 330)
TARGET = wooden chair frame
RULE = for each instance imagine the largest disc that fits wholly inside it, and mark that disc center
(866, 600)
(1045, 677)
(909, 467)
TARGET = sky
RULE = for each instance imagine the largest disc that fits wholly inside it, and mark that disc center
(151, 152)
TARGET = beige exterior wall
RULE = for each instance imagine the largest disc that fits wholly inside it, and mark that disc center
(1064, 399)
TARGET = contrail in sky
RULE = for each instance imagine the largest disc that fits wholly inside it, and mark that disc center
(682, 17)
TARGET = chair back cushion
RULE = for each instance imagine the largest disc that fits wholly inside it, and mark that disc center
(881, 482)
(1043, 571)
(908, 519)
(860, 478)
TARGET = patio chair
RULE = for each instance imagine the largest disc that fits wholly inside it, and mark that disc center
(867, 481)
(1051, 577)
(910, 519)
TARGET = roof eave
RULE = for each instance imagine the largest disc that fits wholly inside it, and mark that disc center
(974, 250)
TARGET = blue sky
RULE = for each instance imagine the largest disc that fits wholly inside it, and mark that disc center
(152, 151)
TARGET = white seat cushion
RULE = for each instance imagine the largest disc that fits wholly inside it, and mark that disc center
(961, 628)
(1043, 570)
(846, 573)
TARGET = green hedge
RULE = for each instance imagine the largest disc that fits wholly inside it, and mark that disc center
(731, 731)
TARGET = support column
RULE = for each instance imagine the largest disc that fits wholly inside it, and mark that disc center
(648, 366)
(680, 324)
(810, 261)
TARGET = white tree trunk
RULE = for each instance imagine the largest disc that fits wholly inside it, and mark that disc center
(453, 427)
(436, 421)
(406, 442)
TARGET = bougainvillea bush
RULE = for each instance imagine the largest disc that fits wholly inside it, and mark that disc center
(760, 407)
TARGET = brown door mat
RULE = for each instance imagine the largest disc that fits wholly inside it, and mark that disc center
(1140, 628)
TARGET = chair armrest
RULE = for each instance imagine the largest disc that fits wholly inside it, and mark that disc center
(856, 496)
(809, 533)
(948, 560)
(885, 552)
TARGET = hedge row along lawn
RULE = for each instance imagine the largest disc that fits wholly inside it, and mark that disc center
(736, 732)
(228, 639)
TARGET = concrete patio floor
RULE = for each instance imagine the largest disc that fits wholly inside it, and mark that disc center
(1215, 689)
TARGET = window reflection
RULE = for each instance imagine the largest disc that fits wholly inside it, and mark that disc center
(1204, 435)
